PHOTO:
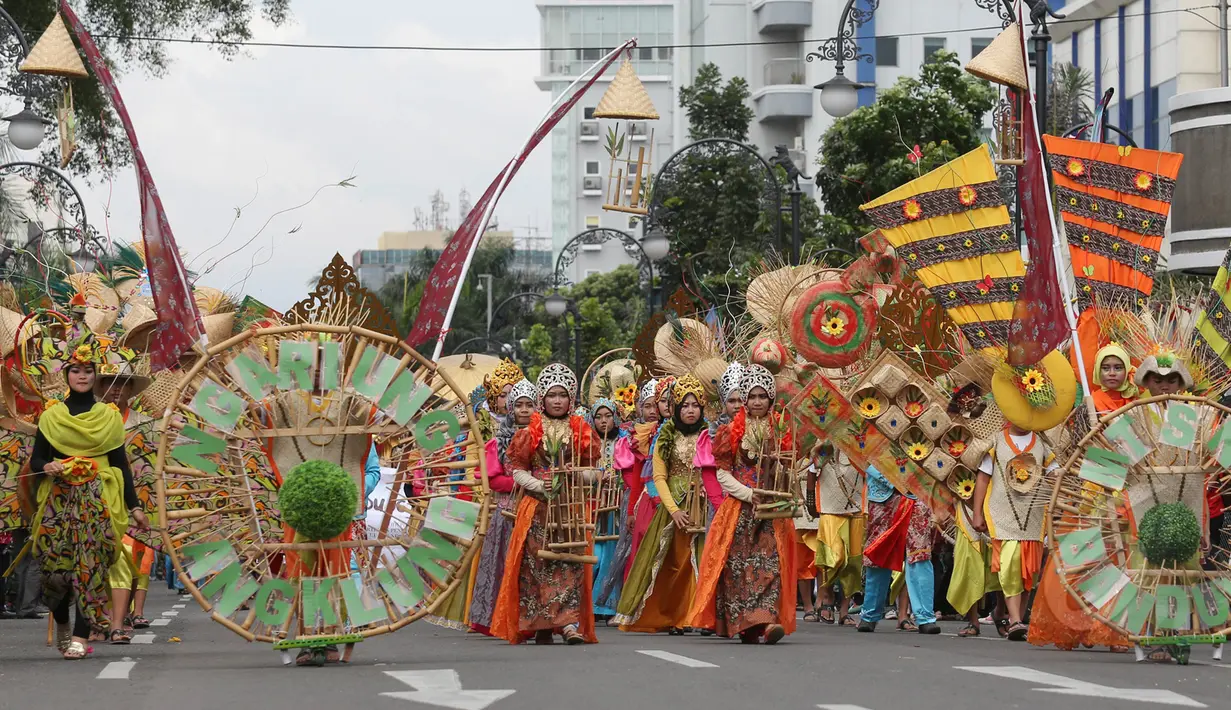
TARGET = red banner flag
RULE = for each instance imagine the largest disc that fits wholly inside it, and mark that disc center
(179, 322)
(1040, 323)
(445, 280)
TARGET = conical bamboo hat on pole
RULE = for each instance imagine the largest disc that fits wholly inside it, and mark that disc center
(1002, 61)
(55, 54)
(626, 97)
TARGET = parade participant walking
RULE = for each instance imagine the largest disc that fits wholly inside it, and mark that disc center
(521, 404)
(659, 590)
(628, 460)
(540, 597)
(645, 498)
(498, 386)
(605, 419)
(840, 532)
(747, 576)
(85, 500)
(899, 539)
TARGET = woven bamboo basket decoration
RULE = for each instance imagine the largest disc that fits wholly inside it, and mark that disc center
(54, 54)
(939, 465)
(961, 481)
(629, 176)
(934, 421)
(893, 422)
(870, 402)
(318, 390)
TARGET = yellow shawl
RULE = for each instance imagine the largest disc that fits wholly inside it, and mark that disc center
(89, 435)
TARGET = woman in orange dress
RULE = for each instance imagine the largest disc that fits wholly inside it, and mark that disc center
(1056, 618)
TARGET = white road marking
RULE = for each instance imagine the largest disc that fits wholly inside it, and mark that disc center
(443, 688)
(116, 670)
(1072, 686)
(170, 613)
(159, 622)
(842, 707)
(676, 658)
(178, 606)
(143, 638)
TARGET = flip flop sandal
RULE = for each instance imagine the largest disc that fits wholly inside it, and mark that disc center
(75, 651)
(848, 620)
(120, 637)
(907, 625)
(1002, 627)
(821, 617)
(813, 616)
(140, 622)
(1018, 632)
(969, 632)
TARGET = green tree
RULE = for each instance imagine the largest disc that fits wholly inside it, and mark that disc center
(117, 26)
(716, 204)
(868, 153)
(1070, 98)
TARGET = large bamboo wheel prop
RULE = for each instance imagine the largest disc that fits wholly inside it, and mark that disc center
(1154, 451)
(334, 389)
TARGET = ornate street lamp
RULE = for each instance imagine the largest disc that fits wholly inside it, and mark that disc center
(840, 95)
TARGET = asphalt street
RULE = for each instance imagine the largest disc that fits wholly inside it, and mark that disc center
(189, 662)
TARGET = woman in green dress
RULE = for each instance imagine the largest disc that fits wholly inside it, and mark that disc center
(85, 502)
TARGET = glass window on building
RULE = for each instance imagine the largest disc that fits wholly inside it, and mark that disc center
(886, 51)
(1152, 121)
(978, 44)
(592, 167)
(591, 221)
(932, 45)
(645, 53)
(664, 53)
(588, 112)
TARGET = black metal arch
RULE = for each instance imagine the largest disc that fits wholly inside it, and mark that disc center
(13, 50)
(665, 179)
(1078, 131)
(49, 185)
(602, 235)
(488, 343)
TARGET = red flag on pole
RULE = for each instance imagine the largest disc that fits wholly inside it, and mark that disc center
(179, 322)
(445, 280)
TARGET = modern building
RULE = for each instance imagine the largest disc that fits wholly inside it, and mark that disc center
(764, 41)
(396, 251)
(579, 158)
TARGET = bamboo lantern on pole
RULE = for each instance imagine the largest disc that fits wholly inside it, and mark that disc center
(626, 100)
(54, 54)
(1001, 62)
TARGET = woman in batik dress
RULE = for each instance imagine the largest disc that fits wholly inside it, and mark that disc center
(647, 500)
(539, 597)
(85, 501)
(521, 406)
(660, 588)
(605, 419)
(628, 460)
(747, 576)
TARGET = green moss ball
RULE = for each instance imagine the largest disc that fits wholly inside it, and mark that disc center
(318, 499)
(1169, 534)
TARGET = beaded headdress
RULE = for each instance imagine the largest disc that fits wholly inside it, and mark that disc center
(506, 373)
(687, 385)
(730, 382)
(523, 389)
(663, 388)
(557, 375)
(649, 392)
(758, 376)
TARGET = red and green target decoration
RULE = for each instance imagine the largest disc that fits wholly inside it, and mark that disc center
(832, 326)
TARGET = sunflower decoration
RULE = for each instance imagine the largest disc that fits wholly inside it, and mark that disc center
(1035, 386)
(918, 451)
(834, 326)
(1075, 168)
(1143, 181)
(626, 395)
(869, 407)
(967, 195)
(912, 210)
(966, 489)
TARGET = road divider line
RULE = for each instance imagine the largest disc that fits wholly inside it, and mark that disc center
(116, 670)
(676, 658)
(159, 622)
(170, 613)
(178, 606)
(144, 638)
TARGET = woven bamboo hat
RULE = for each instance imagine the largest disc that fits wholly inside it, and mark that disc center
(626, 97)
(138, 324)
(10, 321)
(1002, 61)
(102, 302)
(55, 54)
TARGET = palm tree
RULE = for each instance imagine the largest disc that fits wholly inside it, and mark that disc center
(1070, 98)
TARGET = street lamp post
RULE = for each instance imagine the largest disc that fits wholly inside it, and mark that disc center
(556, 306)
(840, 95)
(26, 129)
(488, 279)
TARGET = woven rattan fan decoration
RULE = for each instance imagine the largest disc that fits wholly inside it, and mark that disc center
(628, 178)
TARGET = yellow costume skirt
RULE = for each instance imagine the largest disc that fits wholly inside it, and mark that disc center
(839, 551)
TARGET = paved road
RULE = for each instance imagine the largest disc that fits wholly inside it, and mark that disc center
(212, 669)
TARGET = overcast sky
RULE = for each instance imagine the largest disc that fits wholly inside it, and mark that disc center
(403, 123)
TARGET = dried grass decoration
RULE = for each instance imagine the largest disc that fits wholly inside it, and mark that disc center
(318, 499)
(831, 325)
(628, 178)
